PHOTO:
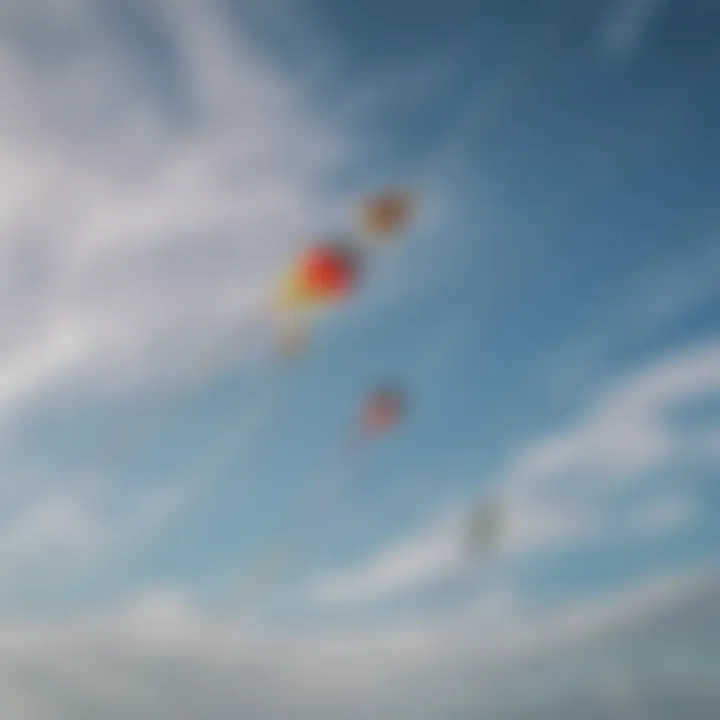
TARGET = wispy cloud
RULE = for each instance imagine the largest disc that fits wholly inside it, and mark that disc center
(627, 24)
(562, 490)
(150, 196)
(410, 562)
(151, 226)
(629, 430)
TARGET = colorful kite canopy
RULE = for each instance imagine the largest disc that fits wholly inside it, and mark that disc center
(324, 273)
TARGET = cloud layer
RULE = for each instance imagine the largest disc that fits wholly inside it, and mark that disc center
(161, 658)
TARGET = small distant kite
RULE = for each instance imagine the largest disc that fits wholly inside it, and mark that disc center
(384, 409)
(483, 530)
(386, 214)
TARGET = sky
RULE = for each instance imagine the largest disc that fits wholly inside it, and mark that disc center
(553, 315)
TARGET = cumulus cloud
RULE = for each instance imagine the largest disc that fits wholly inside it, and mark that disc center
(161, 657)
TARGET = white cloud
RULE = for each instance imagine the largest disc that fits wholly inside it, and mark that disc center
(409, 563)
(145, 212)
(629, 430)
(161, 657)
(436, 552)
(142, 228)
(55, 536)
(30, 368)
(537, 525)
(562, 486)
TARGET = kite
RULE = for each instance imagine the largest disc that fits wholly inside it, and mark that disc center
(384, 409)
(386, 214)
(483, 529)
(324, 275)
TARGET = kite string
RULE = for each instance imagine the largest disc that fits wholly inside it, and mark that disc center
(291, 540)
(206, 366)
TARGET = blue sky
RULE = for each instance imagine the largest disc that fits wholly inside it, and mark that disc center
(553, 314)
